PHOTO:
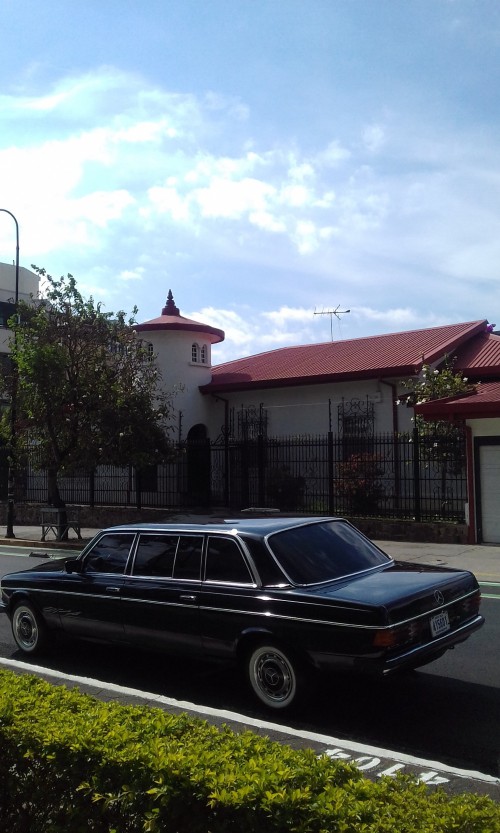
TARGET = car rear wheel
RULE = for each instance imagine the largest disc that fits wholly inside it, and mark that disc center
(28, 629)
(273, 676)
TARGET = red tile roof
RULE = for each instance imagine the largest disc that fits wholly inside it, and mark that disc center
(483, 401)
(479, 358)
(383, 356)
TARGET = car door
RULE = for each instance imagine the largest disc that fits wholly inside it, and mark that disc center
(229, 600)
(90, 605)
(161, 594)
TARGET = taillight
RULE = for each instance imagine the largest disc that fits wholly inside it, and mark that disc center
(399, 635)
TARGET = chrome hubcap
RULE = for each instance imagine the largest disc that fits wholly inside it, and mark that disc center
(27, 629)
(274, 676)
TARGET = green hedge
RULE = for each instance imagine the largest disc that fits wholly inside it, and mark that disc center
(71, 763)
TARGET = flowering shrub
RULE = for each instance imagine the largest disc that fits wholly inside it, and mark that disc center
(447, 454)
(358, 482)
(435, 384)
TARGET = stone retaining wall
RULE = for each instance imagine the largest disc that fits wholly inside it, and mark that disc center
(378, 528)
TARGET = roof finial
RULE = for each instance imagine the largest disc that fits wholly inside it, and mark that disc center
(170, 308)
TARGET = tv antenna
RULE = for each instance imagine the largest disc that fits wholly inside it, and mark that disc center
(333, 312)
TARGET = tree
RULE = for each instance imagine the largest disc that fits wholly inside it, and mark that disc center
(435, 384)
(87, 389)
(440, 440)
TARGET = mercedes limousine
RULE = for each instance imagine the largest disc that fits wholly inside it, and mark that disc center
(284, 598)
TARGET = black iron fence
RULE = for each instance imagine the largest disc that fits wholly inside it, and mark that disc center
(394, 476)
(404, 476)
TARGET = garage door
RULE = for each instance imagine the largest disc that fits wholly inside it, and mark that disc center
(489, 473)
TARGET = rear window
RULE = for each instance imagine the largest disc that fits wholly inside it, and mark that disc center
(326, 551)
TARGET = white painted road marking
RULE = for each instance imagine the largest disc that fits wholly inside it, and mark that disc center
(367, 758)
(489, 584)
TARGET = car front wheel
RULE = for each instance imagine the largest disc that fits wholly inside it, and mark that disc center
(273, 676)
(28, 629)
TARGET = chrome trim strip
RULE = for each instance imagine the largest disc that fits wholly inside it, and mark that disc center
(265, 614)
(431, 612)
(394, 662)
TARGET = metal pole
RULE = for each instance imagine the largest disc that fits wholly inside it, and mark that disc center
(11, 477)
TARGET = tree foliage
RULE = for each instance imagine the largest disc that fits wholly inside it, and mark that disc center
(87, 388)
(444, 451)
(435, 384)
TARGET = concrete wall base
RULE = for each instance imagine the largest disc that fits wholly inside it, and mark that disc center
(381, 529)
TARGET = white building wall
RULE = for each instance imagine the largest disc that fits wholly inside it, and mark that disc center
(28, 283)
(487, 464)
(182, 376)
(484, 427)
(306, 409)
(28, 287)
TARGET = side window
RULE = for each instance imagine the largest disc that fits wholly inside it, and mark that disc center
(155, 555)
(225, 562)
(195, 352)
(110, 554)
(188, 557)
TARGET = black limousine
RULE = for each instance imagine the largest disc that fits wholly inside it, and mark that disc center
(283, 597)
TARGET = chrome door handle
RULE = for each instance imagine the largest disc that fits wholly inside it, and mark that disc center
(186, 598)
(112, 589)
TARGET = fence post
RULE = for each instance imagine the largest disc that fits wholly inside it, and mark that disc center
(331, 496)
(92, 488)
(138, 490)
(245, 473)
(261, 469)
(416, 473)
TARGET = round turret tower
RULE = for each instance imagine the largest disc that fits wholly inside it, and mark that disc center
(183, 348)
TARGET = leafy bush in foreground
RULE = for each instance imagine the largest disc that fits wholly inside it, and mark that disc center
(70, 762)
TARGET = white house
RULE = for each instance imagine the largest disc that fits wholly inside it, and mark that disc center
(349, 387)
(346, 386)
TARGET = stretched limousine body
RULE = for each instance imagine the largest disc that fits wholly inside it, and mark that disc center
(282, 597)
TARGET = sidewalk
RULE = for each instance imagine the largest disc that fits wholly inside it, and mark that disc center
(481, 559)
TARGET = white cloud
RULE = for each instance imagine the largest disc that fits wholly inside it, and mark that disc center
(247, 334)
(374, 137)
(399, 220)
(282, 317)
(232, 199)
(333, 155)
(132, 274)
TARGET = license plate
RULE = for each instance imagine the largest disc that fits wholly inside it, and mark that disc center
(440, 623)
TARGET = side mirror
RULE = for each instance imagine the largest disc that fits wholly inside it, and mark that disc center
(72, 565)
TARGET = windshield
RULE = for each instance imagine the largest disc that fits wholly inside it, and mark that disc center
(321, 552)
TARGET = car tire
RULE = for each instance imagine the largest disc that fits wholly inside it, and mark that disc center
(274, 677)
(28, 629)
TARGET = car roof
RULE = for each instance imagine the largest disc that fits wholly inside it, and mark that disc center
(259, 526)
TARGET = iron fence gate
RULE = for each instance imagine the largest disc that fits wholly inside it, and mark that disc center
(393, 476)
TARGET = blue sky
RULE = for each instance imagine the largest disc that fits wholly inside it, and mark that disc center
(264, 159)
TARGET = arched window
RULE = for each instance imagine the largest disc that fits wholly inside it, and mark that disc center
(195, 352)
(204, 354)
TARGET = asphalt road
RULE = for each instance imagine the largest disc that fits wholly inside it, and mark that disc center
(448, 712)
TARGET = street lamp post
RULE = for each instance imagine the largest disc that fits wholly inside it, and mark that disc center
(11, 481)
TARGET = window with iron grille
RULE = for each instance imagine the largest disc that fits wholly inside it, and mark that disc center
(252, 422)
(356, 426)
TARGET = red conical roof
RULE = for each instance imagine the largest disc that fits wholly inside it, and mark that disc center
(171, 319)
